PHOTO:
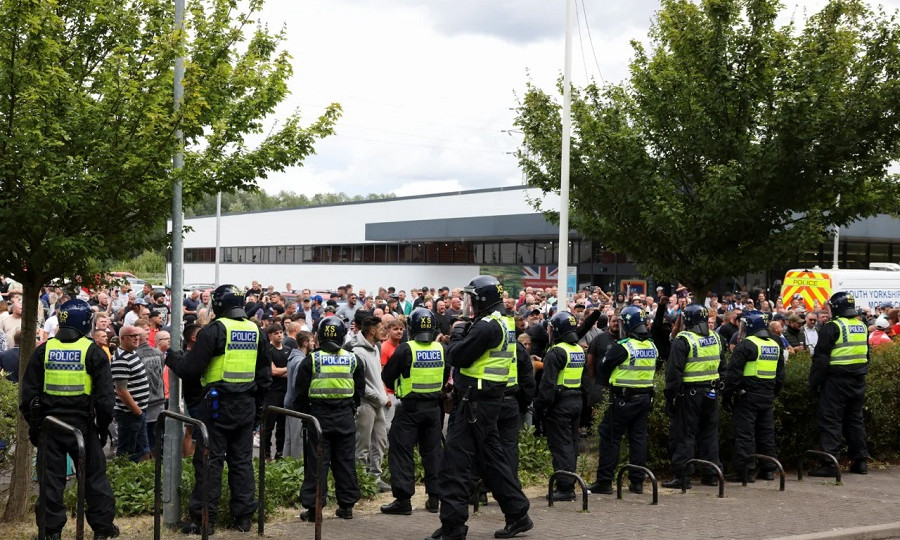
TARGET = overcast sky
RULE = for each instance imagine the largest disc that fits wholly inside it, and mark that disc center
(427, 86)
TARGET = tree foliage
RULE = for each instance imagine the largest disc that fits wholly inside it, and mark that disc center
(87, 131)
(726, 149)
(250, 201)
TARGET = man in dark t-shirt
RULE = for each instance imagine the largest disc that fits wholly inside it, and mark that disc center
(278, 355)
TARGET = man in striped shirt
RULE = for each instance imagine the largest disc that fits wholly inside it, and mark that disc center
(132, 395)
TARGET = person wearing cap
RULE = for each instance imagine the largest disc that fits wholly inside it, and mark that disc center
(753, 380)
(880, 336)
(793, 332)
(837, 377)
(69, 377)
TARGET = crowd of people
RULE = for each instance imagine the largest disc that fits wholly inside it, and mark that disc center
(456, 372)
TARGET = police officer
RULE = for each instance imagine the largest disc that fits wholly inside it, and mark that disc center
(628, 369)
(229, 360)
(517, 396)
(481, 359)
(753, 379)
(838, 377)
(68, 377)
(416, 372)
(560, 396)
(329, 386)
(696, 362)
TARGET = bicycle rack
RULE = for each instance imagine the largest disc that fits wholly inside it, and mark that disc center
(51, 423)
(764, 458)
(647, 471)
(584, 490)
(157, 477)
(320, 465)
(834, 461)
(684, 475)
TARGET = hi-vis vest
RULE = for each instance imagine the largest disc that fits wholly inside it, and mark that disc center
(703, 358)
(852, 346)
(65, 372)
(332, 375)
(493, 365)
(570, 376)
(238, 364)
(636, 371)
(766, 361)
(426, 375)
(509, 322)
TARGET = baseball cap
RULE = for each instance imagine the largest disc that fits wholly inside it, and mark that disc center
(882, 323)
(317, 298)
(797, 296)
(795, 318)
(535, 312)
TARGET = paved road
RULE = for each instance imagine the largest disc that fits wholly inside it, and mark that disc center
(757, 511)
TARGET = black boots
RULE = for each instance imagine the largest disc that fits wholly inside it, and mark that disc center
(520, 525)
(400, 507)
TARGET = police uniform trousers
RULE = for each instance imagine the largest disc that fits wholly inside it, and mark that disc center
(695, 421)
(753, 423)
(338, 453)
(415, 421)
(509, 424)
(101, 506)
(231, 440)
(563, 420)
(467, 443)
(841, 406)
(626, 414)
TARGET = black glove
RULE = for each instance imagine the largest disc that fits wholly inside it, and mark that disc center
(104, 436)
(173, 357)
(459, 330)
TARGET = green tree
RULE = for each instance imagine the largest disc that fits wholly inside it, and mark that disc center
(725, 151)
(87, 133)
(248, 201)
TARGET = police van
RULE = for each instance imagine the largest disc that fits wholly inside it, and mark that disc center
(877, 286)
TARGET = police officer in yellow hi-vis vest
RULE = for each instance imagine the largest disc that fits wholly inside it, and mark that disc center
(481, 359)
(416, 372)
(229, 360)
(68, 377)
(628, 368)
(330, 383)
(693, 372)
(837, 377)
(560, 395)
(753, 379)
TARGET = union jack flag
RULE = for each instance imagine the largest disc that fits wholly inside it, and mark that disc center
(540, 276)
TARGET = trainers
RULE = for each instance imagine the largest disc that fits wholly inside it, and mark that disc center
(192, 527)
(601, 488)
(256, 439)
(675, 483)
(243, 524)
(860, 466)
(382, 486)
(344, 512)
(112, 532)
(557, 496)
(634, 487)
(433, 504)
(400, 507)
(520, 525)
(826, 471)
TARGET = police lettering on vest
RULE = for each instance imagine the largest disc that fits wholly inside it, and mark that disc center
(638, 369)
(766, 361)
(852, 345)
(702, 359)
(570, 375)
(426, 374)
(65, 373)
(493, 364)
(237, 364)
(332, 375)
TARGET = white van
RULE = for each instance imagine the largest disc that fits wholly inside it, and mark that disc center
(877, 286)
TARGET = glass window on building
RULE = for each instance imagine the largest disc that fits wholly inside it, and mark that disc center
(508, 253)
(544, 253)
(525, 252)
(855, 255)
(881, 252)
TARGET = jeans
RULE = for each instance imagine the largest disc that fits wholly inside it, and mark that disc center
(132, 435)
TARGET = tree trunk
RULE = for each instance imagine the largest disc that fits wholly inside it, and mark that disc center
(17, 505)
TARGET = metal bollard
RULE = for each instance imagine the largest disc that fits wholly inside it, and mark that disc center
(684, 475)
(647, 471)
(157, 479)
(766, 458)
(584, 489)
(261, 513)
(831, 458)
(51, 423)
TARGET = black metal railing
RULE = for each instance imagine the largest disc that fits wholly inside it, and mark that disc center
(629, 466)
(584, 490)
(157, 480)
(320, 465)
(684, 475)
(51, 423)
(829, 457)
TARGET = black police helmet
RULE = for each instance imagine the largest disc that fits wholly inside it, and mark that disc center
(564, 327)
(633, 319)
(842, 304)
(754, 322)
(76, 314)
(486, 292)
(421, 324)
(331, 333)
(694, 315)
(226, 297)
